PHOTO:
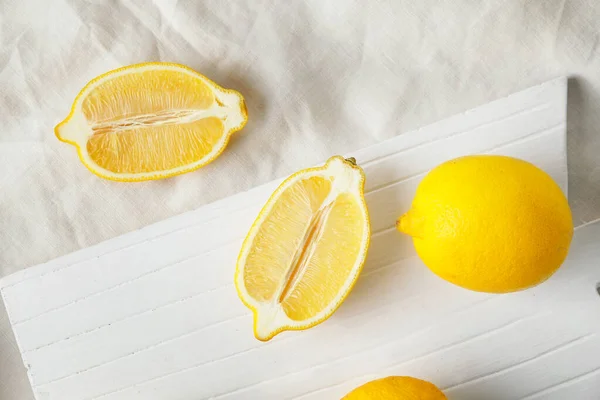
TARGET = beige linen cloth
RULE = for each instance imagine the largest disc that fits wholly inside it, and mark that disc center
(320, 77)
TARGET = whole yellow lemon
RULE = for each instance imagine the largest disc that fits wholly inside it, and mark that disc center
(490, 223)
(396, 388)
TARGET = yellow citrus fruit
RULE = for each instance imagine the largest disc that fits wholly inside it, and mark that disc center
(490, 223)
(151, 121)
(396, 388)
(305, 250)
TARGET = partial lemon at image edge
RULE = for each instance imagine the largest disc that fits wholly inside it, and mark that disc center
(396, 388)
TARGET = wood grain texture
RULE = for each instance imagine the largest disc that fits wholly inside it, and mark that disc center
(154, 315)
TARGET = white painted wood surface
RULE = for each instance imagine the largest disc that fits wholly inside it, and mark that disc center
(154, 315)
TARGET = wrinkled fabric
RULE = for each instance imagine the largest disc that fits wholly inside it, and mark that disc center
(319, 78)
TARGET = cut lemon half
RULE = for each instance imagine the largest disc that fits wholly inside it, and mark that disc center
(305, 250)
(151, 121)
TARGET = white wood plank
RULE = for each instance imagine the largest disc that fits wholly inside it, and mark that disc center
(153, 314)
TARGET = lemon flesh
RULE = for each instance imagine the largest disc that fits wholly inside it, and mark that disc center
(490, 223)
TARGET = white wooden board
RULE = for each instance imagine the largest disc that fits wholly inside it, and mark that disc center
(154, 315)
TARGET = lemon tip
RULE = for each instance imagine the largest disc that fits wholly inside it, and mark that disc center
(244, 108)
(402, 224)
(57, 128)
